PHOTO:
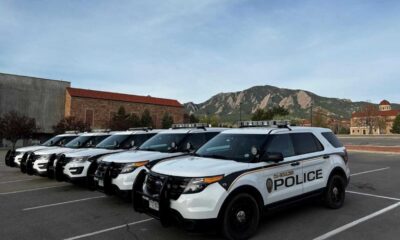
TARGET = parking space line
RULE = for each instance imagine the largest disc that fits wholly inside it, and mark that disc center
(370, 171)
(30, 190)
(373, 195)
(108, 229)
(20, 180)
(62, 203)
(356, 222)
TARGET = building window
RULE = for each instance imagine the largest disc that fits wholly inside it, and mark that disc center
(89, 117)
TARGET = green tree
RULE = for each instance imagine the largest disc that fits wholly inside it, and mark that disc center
(193, 119)
(16, 126)
(146, 119)
(213, 120)
(70, 124)
(167, 121)
(270, 114)
(123, 120)
(396, 125)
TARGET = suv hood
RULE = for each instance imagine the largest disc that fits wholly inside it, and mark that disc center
(57, 150)
(198, 167)
(138, 155)
(30, 148)
(92, 152)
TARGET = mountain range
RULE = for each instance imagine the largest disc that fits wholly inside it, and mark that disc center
(227, 106)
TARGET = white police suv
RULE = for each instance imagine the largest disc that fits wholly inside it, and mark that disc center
(38, 162)
(13, 158)
(81, 165)
(117, 172)
(243, 171)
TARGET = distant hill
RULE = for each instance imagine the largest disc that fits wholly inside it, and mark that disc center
(298, 102)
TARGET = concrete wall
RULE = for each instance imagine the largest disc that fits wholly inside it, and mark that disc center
(38, 98)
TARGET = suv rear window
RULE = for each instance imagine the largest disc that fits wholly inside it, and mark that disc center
(305, 143)
(332, 139)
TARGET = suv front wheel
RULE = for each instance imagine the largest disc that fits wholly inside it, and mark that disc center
(241, 217)
(335, 192)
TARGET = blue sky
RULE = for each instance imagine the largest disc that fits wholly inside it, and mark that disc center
(191, 49)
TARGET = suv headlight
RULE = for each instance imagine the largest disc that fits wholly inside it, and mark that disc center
(197, 185)
(80, 159)
(130, 167)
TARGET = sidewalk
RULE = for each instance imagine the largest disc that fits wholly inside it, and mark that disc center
(373, 149)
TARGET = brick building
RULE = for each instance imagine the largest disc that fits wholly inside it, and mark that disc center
(97, 108)
(374, 121)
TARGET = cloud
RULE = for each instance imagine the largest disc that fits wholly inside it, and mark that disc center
(191, 50)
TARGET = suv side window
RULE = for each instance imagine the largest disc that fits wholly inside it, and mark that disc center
(210, 135)
(196, 139)
(332, 139)
(281, 143)
(305, 143)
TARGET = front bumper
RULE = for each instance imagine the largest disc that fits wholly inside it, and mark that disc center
(204, 205)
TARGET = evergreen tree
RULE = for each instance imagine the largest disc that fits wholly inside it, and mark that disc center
(396, 125)
(167, 121)
(146, 119)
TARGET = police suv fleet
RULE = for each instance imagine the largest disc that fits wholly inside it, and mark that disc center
(117, 172)
(13, 158)
(81, 165)
(240, 172)
(38, 162)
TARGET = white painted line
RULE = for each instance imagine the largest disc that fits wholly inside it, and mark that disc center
(108, 229)
(354, 223)
(370, 171)
(21, 180)
(62, 203)
(373, 195)
(30, 190)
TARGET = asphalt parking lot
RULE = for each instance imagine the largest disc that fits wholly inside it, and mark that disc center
(38, 208)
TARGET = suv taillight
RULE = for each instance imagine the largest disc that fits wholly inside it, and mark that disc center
(346, 156)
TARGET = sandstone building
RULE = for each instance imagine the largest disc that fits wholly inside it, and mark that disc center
(374, 121)
(96, 108)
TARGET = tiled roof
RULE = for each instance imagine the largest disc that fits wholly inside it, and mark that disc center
(377, 113)
(85, 93)
(384, 102)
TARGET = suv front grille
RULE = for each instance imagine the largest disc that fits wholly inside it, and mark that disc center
(116, 169)
(175, 185)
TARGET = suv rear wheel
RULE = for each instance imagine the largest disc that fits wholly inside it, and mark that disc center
(335, 192)
(241, 217)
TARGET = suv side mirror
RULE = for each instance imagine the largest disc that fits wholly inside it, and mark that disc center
(272, 157)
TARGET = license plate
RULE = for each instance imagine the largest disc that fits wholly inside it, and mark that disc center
(101, 183)
(154, 205)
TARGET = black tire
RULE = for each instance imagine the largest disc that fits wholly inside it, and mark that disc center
(29, 166)
(335, 192)
(50, 168)
(7, 158)
(90, 183)
(23, 162)
(241, 217)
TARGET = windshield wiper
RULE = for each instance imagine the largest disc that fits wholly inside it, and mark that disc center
(214, 156)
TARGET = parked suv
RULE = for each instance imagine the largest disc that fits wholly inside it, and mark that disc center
(38, 162)
(13, 157)
(240, 172)
(116, 173)
(81, 165)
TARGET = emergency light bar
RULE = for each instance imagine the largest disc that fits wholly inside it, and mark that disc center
(141, 129)
(269, 123)
(189, 125)
(71, 132)
(100, 130)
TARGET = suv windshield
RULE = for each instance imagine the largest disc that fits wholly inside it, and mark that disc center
(114, 142)
(233, 146)
(58, 141)
(163, 142)
(85, 141)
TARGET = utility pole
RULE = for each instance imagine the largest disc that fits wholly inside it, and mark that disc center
(311, 112)
(240, 111)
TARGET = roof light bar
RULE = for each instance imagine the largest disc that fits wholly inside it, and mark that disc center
(100, 130)
(189, 125)
(141, 129)
(72, 132)
(267, 123)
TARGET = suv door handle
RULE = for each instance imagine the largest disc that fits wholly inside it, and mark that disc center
(295, 164)
(326, 156)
